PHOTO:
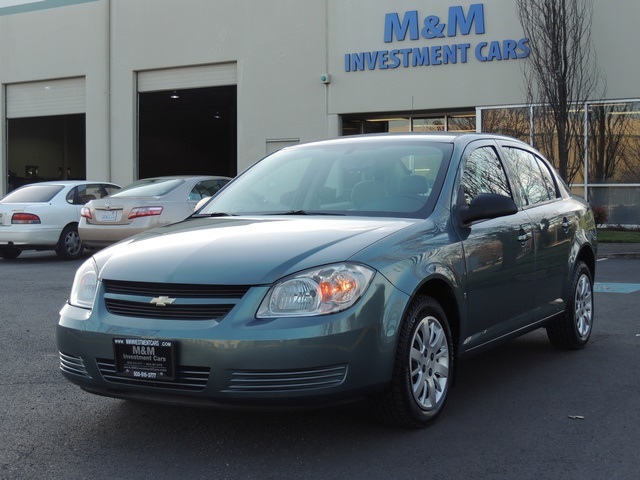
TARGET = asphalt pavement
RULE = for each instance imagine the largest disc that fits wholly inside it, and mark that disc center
(523, 410)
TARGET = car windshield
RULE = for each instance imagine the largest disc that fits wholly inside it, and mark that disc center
(149, 187)
(398, 178)
(32, 193)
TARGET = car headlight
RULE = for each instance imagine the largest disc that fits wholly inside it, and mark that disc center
(85, 285)
(320, 291)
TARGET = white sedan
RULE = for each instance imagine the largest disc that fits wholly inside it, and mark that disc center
(45, 215)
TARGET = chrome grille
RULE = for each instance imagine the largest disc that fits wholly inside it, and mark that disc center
(281, 381)
(189, 378)
(73, 365)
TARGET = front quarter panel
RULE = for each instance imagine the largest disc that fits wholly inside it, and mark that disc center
(585, 241)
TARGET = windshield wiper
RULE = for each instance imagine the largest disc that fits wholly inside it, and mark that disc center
(213, 214)
(306, 212)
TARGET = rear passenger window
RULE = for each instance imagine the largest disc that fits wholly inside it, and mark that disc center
(535, 182)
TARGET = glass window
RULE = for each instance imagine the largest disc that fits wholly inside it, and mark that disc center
(483, 173)
(548, 178)
(102, 190)
(534, 186)
(545, 139)
(614, 143)
(149, 187)
(429, 124)
(206, 188)
(360, 178)
(514, 122)
(375, 126)
(621, 203)
(32, 193)
(461, 123)
(83, 194)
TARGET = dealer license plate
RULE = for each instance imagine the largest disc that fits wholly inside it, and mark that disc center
(107, 215)
(145, 359)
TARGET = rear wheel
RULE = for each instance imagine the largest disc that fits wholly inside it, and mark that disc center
(69, 245)
(573, 329)
(423, 369)
(9, 253)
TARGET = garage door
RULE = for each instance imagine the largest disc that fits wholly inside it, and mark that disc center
(46, 98)
(188, 77)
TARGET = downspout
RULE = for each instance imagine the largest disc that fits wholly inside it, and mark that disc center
(108, 85)
(327, 121)
(586, 152)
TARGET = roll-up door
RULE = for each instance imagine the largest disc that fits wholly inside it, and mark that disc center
(46, 98)
(187, 77)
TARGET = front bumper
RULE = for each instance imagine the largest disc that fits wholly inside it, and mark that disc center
(240, 361)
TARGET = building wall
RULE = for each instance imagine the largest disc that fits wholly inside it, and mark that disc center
(353, 28)
(278, 46)
(60, 43)
(281, 48)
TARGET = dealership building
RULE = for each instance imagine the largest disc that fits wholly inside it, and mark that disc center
(124, 89)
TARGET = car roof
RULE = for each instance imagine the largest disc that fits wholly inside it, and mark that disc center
(447, 137)
(68, 182)
(181, 177)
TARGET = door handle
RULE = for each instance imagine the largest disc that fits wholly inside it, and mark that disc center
(523, 237)
(565, 224)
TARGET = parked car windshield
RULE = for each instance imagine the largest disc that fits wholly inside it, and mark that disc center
(149, 187)
(32, 193)
(351, 178)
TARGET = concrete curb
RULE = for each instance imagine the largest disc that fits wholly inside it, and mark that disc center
(619, 250)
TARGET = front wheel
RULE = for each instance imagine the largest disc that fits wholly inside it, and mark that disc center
(423, 368)
(69, 245)
(573, 329)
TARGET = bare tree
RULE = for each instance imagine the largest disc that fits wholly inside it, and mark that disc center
(560, 74)
(508, 121)
(608, 129)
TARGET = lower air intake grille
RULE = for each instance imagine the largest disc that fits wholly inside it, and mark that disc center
(73, 365)
(192, 379)
(291, 380)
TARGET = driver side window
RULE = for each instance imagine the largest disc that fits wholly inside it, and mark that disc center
(483, 173)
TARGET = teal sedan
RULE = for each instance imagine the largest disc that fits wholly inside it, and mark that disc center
(353, 268)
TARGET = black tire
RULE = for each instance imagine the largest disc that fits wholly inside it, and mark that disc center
(423, 369)
(573, 329)
(69, 245)
(9, 253)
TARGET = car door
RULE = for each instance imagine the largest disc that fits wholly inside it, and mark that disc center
(498, 253)
(76, 197)
(553, 225)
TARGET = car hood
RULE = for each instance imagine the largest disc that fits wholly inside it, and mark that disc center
(240, 250)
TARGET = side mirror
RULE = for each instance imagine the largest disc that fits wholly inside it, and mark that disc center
(484, 206)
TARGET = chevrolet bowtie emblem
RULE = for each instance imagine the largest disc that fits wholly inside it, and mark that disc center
(162, 301)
